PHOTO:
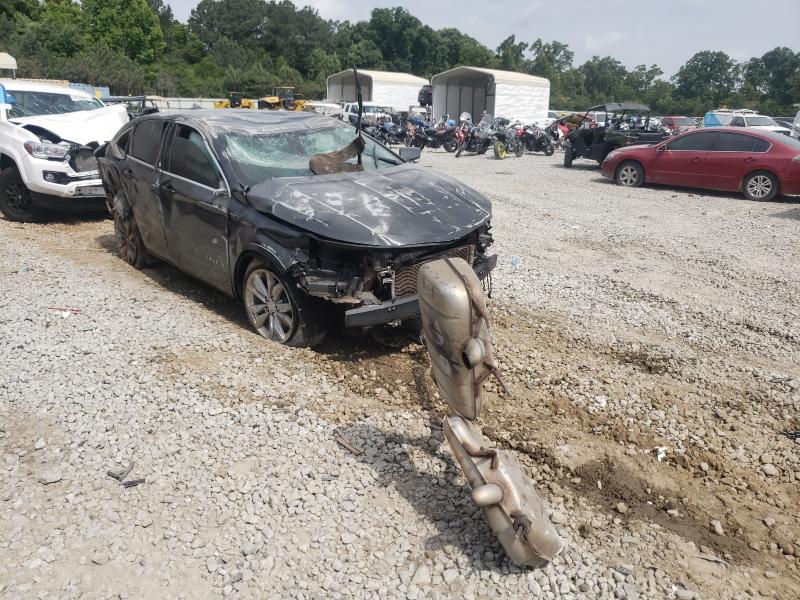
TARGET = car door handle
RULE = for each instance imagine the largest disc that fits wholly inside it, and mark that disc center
(696, 159)
(167, 187)
(749, 159)
(128, 173)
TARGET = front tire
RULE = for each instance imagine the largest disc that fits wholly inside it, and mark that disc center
(500, 151)
(461, 147)
(760, 186)
(549, 149)
(277, 309)
(568, 156)
(630, 174)
(15, 198)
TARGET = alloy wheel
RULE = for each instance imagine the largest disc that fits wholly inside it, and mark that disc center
(126, 238)
(759, 186)
(628, 175)
(269, 306)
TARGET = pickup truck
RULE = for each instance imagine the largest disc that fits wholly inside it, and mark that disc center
(48, 133)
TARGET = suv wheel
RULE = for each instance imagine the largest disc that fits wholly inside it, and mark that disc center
(760, 185)
(277, 309)
(15, 198)
(630, 174)
(568, 156)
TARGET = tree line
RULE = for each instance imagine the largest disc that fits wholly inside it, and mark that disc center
(138, 47)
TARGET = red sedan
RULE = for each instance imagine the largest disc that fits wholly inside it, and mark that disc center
(678, 125)
(760, 164)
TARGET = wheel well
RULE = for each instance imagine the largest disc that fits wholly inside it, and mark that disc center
(753, 172)
(6, 161)
(244, 260)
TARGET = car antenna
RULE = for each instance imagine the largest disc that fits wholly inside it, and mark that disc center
(360, 99)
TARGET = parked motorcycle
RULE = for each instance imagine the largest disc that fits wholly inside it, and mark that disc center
(508, 141)
(393, 134)
(475, 138)
(556, 134)
(442, 135)
(536, 140)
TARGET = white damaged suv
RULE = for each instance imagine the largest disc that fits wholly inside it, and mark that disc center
(48, 133)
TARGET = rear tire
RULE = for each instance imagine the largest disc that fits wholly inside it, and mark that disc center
(760, 186)
(129, 241)
(549, 149)
(500, 151)
(518, 149)
(450, 145)
(15, 198)
(278, 310)
(568, 156)
(629, 174)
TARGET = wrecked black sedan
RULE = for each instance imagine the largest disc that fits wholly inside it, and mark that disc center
(307, 223)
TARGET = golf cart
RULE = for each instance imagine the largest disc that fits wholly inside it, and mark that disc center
(625, 124)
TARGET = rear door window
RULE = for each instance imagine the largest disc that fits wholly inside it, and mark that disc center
(697, 142)
(146, 140)
(736, 142)
(738, 122)
(189, 158)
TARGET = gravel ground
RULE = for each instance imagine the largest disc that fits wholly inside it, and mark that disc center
(650, 337)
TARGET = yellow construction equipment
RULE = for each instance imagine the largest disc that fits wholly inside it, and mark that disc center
(283, 97)
(235, 100)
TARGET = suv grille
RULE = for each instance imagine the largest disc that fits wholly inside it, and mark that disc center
(405, 278)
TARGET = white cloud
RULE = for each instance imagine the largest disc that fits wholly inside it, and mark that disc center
(596, 43)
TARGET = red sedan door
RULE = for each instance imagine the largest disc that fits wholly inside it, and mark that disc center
(733, 156)
(682, 160)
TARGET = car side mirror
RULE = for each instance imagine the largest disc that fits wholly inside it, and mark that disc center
(410, 154)
(661, 148)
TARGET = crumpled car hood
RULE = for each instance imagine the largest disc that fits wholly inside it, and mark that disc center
(397, 206)
(81, 127)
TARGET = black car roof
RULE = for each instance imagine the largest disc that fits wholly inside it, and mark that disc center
(620, 106)
(251, 121)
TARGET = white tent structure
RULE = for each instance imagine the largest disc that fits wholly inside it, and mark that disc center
(7, 62)
(500, 93)
(398, 90)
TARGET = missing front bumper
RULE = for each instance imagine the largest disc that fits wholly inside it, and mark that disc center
(405, 307)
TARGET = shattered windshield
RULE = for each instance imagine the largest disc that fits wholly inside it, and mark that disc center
(257, 157)
(31, 104)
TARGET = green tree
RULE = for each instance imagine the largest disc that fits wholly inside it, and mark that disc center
(511, 54)
(129, 26)
(706, 80)
(240, 20)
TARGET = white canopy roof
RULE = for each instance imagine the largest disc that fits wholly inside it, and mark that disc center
(398, 90)
(389, 77)
(7, 61)
(453, 76)
(500, 93)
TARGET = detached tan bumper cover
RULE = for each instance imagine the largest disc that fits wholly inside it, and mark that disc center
(456, 330)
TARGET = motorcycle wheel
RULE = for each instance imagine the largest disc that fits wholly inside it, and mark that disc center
(450, 145)
(483, 149)
(518, 149)
(461, 147)
(500, 151)
(548, 150)
(568, 156)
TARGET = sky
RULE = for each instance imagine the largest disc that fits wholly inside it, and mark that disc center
(664, 32)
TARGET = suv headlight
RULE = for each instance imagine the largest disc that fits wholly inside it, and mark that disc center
(47, 151)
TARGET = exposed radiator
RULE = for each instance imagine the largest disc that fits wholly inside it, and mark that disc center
(405, 278)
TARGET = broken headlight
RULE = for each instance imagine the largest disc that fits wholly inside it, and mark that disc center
(46, 151)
